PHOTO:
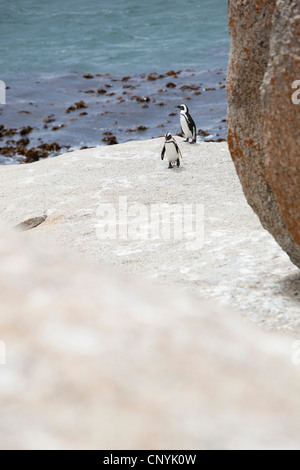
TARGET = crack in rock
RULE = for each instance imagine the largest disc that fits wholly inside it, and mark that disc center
(31, 223)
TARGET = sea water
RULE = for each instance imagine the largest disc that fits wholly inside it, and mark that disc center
(48, 48)
(112, 36)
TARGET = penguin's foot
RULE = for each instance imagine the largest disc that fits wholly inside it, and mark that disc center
(178, 163)
(193, 142)
(186, 140)
(170, 166)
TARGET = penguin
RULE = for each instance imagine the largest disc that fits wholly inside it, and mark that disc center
(188, 125)
(171, 151)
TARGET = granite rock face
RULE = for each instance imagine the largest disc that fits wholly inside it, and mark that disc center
(250, 25)
(99, 360)
(282, 116)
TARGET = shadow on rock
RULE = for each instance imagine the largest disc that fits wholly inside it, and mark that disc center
(290, 287)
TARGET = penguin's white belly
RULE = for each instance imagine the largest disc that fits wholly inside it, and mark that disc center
(185, 127)
(171, 153)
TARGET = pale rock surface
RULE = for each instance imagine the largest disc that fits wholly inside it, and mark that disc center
(98, 360)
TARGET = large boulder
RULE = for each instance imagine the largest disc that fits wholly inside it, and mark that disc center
(98, 360)
(250, 25)
(64, 199)
(282, 115)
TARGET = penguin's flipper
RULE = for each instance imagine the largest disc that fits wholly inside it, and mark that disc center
(178, 149)
(163, 152)
(195, 135)
(191, 122)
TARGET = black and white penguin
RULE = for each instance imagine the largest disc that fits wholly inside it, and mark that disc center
(171, 151)
(187, 123)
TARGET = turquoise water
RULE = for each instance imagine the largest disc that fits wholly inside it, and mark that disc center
(117, 37)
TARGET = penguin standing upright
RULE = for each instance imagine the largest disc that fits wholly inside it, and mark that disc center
(171, 151)
(188, 125)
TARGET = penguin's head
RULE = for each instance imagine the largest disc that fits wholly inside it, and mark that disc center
(183, 108)
(168, 137)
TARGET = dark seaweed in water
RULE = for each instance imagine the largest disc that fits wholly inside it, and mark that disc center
(88, 110)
